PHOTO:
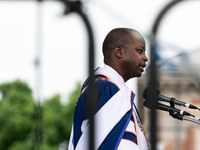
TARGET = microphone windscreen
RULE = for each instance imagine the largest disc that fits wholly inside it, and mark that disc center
(147, 93)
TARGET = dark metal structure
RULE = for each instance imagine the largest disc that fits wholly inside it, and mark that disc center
(153, 73)
(75, 6)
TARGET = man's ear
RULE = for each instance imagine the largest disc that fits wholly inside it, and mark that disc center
(119, 51)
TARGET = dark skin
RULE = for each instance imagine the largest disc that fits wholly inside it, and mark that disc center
(129, 60)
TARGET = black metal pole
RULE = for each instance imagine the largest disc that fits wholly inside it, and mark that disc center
(153, 74)
(91, 87)
(75, 6)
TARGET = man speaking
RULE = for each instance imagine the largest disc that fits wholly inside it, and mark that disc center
(117, 122)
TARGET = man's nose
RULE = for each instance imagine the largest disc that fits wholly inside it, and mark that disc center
(145, 58)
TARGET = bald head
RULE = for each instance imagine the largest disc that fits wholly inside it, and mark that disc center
(118, 36)
(124, 51)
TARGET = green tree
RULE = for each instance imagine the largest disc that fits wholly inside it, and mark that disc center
(27, 125)
(52, 124)
(57, 118)
(17, 108)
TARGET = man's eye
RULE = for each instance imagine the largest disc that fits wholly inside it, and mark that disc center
(140, 51)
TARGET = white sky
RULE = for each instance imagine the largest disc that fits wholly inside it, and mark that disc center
(64, 40)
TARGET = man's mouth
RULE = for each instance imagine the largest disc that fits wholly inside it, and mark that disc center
(142, 66)
(141, 69)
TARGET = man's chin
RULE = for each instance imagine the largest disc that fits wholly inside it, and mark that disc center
(138, 75)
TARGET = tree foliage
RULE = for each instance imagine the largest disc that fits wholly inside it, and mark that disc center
(16, 113)
(22, 121)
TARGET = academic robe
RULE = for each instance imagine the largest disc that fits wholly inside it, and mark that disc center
(116, 126)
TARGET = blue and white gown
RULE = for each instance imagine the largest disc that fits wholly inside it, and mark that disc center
(116, 123)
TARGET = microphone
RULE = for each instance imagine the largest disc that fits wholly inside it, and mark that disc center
(146, 95)
(167, 108)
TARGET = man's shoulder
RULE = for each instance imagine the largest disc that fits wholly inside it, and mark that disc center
(101, 82)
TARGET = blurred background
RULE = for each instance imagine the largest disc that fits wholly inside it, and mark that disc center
(44, 61)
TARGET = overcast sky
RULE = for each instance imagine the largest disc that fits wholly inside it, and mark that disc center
(64, 42)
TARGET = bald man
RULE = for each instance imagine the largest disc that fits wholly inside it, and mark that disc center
(117, 122)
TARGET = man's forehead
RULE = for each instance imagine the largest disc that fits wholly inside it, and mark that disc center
(137, 37)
